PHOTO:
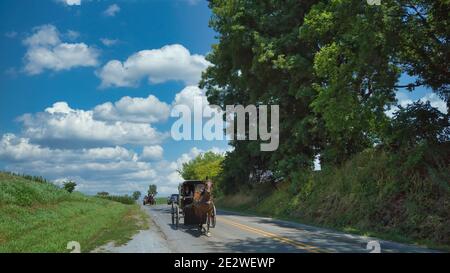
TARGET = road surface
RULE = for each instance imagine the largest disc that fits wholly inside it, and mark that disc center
(244, 233)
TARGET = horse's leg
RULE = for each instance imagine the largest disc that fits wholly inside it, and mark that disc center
(207, 230)
(208, 223)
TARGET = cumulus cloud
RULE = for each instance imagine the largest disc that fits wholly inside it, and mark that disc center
(112, 10)
(137, 110)
(70, 2)
(191, 96)
(403, 99)
(436, 102)
(152, 152)
(60, 126)
(114, 169)
(93, 147)
(46, 51)
(16, 148)
(171, 62)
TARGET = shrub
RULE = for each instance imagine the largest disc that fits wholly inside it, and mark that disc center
(124, 199)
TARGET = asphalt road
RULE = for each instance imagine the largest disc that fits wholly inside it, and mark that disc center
(244, 233)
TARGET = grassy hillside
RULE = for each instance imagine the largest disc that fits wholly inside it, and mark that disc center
(40, 217)
(373, 194)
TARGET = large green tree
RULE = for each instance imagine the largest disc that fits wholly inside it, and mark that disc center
(205, 165)
(334, 67)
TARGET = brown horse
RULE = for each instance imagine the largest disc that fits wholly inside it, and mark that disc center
(204, 207)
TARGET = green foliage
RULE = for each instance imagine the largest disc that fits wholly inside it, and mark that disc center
(152, 190)
(418, 123)
(16, 190)
(103, 193)
(124, 199)
(206, 165)
(136, 195)
(334, 68)
(34, 178)
(69, 186)
(376, 192)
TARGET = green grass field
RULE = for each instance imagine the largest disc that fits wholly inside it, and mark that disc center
(40, 217)
(161, 200)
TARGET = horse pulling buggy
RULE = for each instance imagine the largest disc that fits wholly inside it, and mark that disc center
(195, 205)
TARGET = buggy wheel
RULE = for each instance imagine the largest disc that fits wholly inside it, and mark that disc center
(173, 215)
(177, 216)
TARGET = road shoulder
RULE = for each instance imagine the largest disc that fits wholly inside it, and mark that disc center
(151, 240)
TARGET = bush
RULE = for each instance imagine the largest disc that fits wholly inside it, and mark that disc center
(69, 186)
(124, 199)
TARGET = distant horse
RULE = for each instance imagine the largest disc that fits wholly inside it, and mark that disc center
(151, 200)
(204, 207)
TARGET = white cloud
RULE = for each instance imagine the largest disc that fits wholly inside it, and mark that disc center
(17, 148)
(70, 2)
(171, 62)
(45, 50)
(108, 42)
(113, 169)
(112, 10)
(137, 110)
(61, 125)
(403, 99)
(14, 148)
(190, 96)
(43, 36)
(152, 152)
(88, 146)
(436, 102)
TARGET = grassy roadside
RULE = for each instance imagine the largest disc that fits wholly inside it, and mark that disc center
(373, 194)
(40, 217)
(247, 209)
(161, 200)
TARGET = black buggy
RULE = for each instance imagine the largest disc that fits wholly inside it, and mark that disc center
(195, 205)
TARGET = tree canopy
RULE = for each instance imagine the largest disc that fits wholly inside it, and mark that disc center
(69, 186)
(152, 190)
(136, 195)
(205, 165)
(334, 67)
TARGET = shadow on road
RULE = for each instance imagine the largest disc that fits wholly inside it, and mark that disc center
(192, 230)
(253, 245)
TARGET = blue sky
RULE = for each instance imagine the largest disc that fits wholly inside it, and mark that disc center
(86, 88)
(57, 51)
